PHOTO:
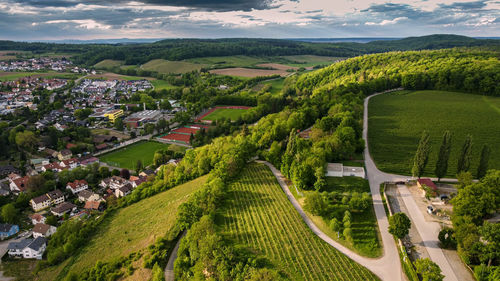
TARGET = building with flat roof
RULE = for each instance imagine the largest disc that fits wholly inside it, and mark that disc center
(112, 115)
(339, 170)
(138, 119)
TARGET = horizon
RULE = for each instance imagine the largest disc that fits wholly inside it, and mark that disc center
(32, 20)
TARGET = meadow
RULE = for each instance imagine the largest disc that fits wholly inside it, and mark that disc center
(230, 113)
(310, 60)
(161, 84)
(259, 217)
(397, 120)
(229, 61)
(176, 67)
(108, 64)
(128, 230)
(127, 157)
(113, 76)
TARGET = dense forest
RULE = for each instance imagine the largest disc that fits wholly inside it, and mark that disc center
(179, 49)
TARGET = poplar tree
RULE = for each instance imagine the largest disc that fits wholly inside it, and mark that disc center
(421, 156)
(443, 156)
(465, 157)
(483, 162)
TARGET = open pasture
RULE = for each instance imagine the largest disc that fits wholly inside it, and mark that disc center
(259, 217)
(397, 120)
(114, 76)
(127, 157)
(309, 60)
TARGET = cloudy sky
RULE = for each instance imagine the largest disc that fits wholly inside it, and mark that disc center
(97, 19)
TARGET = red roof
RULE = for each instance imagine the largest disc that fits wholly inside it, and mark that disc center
(427, 182)
(93, 205)
(21, 183)
(77, 183)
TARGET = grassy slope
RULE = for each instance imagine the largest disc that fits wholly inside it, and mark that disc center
(276, 85)
(108, 63)
(310, 60)
(226, 113)
(127, 157)
(259, 216)
(130, 229)
(397, 121)
(229, 61)
(161, 84)
(164, 66)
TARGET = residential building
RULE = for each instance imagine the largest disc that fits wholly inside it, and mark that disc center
(7, 230)
(87, 195)
(64, 154)
(124, 190)
(70, 163)
(94, 205)
(43, 230)
(114, 182)
(44, 201)
(77, 186)
(19, 184)
(28, 248)
(62, 209)
(112, 115)
(37, 218)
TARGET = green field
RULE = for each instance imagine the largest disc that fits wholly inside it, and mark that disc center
(108, 64)
(276, 85)
(8, 76)
(176, 67)
(129, 230)
(229, 61)
(259, 216)
(127, 157)
(397, 120)
(219, 113)
(309, 60)
(161, 84)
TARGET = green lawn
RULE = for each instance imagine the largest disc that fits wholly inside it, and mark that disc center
(397, 120)
(231, 113)
(129, 230)
(161, 84)
(108, 64)
(276, 85)
(346, 184)
(176, 67)
(127, 157)
(7, 76)
(258, 216)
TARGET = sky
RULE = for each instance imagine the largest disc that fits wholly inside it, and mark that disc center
(32, 20)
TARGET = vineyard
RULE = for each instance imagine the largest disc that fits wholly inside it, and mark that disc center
(259, 216)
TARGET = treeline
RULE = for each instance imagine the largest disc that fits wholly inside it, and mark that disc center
(458, 70)
(179, 49)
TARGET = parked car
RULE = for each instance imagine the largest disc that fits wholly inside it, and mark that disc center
(430, 210)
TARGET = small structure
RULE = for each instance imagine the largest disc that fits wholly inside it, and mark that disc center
(28, 248)
(94, 205)
(7, 230)
(87, 195)
(43, 230)
(427, 182)
(339, 170)
(63, 208)
(77, 186)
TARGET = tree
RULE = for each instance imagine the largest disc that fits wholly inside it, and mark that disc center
(421, 156)
(35, 182)
(335, 225)
(149, 128)
(138, 166)
(119, 124)
(399, 225)
(429, 270)
(348, 234)
(157, 273)
(443, 156)
(115, 172)
(464, 179)
(125, 173)
(465, 157)
(483, 162)
(315, 204)
(51, 220)
(347, 219)
(320, 179)
(490, 233)
(9, 213)
(447, 238)
(26, 140)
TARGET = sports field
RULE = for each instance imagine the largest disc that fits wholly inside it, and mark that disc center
(259, 217)
(129, 230)
(397, 120)
(218, 112)
(127, 157)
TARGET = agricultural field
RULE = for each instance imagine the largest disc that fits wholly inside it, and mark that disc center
(176, 67)
(309, 60)
(231, 112)
(9, 55)
(127, 157)
(108, 64)
(7, 76)
(113, 76)
(229, 61)
(397, 120)
(258, 216)
(249, 72)
(129, 230)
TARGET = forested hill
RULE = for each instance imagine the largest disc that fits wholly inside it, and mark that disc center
(179, 49)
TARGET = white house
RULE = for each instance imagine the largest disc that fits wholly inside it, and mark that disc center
(28, 248)
(339, 170)
(87, 195)
(37, 218)
(43, 230)
(114, 182)
(48, 199)
(124, 190)
(77, 186)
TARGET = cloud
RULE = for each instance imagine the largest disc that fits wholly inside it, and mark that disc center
(386, 22)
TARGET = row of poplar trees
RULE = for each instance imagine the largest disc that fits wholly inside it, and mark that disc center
(464, 159)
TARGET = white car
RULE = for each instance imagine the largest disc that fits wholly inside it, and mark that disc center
(430, 210)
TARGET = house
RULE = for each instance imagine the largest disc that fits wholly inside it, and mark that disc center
(43, 230)
(124, 190)
(87, 195)
(62, 209)
(138, 181)
(7, 230)
(113, 182)
(339, 170)
(48, 199)
(28, 248)
(146, 173)
(112, 115)
(77, 186)
(89, 161)
(69, 164)
(101, 146)
(55, 167)
(38, 163)
(7, 169)
(50, 152)
(426, 182)
(19, 184)
(94, 205)
(64, 154)
(37, 218)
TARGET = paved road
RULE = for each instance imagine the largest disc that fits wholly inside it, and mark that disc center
(427, 230)
(387, 268)
(169, 269)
